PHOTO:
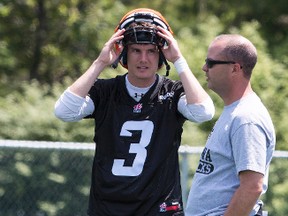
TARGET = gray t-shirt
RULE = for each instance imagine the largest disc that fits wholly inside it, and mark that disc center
(243, 138)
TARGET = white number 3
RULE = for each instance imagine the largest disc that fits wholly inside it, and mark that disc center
(146, 127)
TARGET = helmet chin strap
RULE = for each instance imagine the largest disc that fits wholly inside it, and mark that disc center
(161, 55)
(115, 63)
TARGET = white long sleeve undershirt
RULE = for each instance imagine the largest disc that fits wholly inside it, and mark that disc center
(71, 107)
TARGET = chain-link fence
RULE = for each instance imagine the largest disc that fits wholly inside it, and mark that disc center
(53, 179)
(44, 181)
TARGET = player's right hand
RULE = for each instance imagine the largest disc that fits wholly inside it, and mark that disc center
(108, 54)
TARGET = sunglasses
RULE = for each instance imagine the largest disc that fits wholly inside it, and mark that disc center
(210, 62)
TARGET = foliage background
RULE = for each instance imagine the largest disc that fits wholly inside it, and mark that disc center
(46, 44)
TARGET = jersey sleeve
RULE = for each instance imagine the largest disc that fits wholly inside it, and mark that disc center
(100, 93)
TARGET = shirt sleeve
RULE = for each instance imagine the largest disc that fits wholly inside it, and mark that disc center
(71, 107)
(249, 148)
(197, 112)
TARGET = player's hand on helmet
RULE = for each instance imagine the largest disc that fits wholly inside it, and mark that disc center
(171, 51)
(108, 54)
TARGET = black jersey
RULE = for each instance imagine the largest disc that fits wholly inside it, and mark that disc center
(135, 169)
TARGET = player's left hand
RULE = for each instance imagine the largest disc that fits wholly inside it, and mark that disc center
(171, 51)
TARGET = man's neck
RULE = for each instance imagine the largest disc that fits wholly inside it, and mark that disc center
(136, 92)
(141, 83)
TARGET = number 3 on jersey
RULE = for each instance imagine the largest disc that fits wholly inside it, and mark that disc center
(146, 127)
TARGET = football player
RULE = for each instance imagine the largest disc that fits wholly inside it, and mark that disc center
(139, 118)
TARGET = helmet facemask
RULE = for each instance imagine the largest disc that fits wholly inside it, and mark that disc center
(142, 35)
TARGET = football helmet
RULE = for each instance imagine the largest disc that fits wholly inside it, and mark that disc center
(142, 34)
